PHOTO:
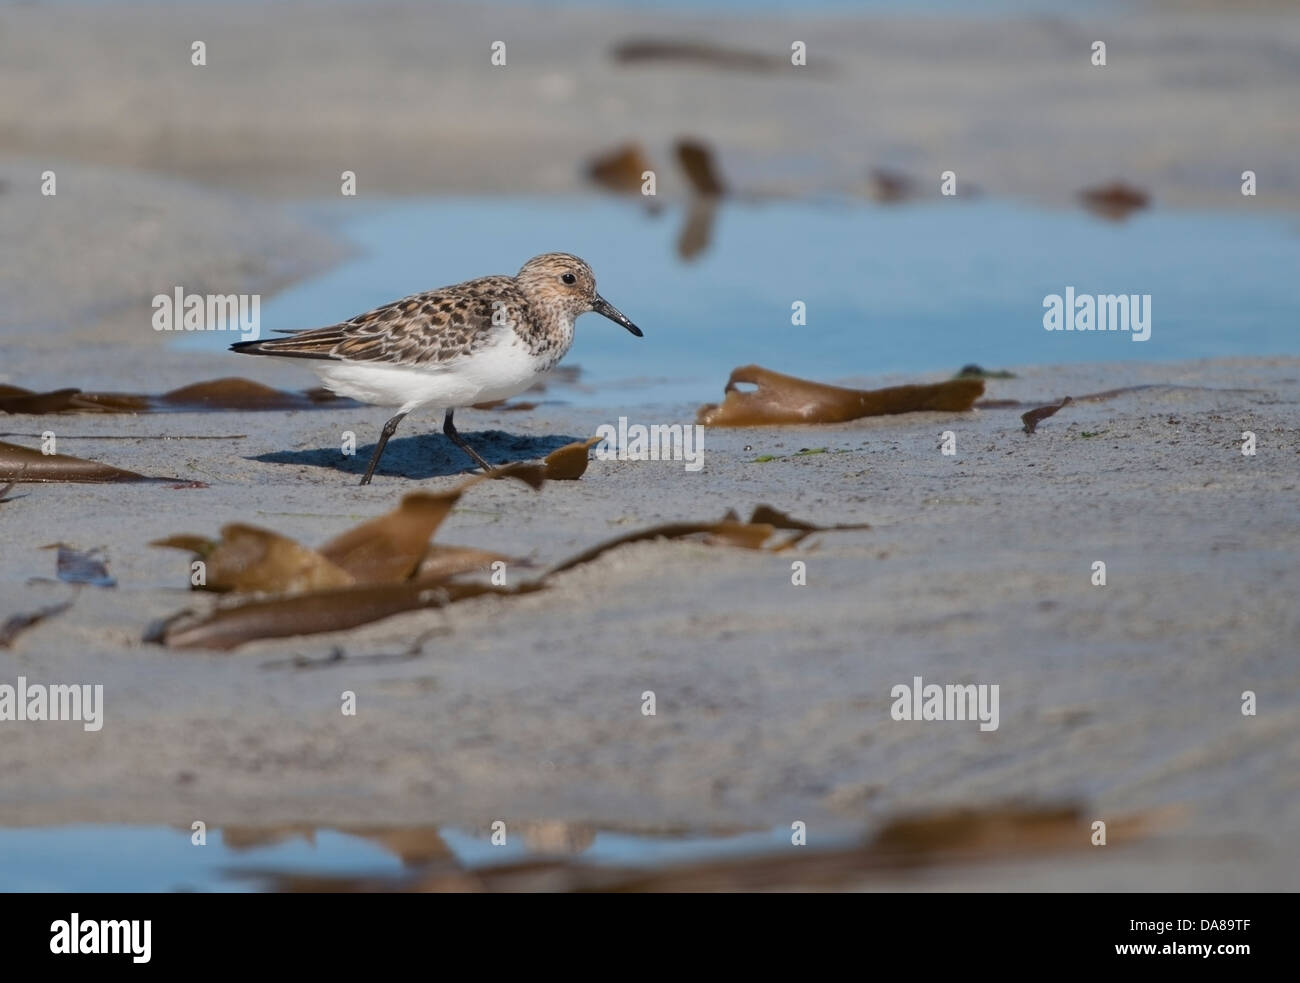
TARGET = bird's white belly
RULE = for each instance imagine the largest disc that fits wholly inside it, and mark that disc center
(498, 372)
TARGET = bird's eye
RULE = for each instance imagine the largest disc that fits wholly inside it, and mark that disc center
(569, 278)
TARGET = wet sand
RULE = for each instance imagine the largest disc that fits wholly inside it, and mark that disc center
(773, 699)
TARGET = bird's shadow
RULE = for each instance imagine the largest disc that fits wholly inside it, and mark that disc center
(430, 455)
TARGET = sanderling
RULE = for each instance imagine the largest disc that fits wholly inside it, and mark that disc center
(473, 342)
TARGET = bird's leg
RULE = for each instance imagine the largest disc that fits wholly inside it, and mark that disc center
(450, 430)
(389, 428)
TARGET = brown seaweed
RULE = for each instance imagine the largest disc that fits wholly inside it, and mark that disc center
(305, 614)
(382, 567)
(703, 53)
(388, 549)
(1101, 397)
(569, 463)
(697, 160)
(621, 169)
(387, 565)
(16, 624)
(973, 371)
(889, 187)
(230, 393)
(15, 399)
(729, 530)
(1114, 201)
(784, 399)
(1036, 416)
(441, 562)
(250, 558)
(234, 393)
(18, 463)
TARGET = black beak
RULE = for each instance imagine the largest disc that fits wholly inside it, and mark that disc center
(601, 306)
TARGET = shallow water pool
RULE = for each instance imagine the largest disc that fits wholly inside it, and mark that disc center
(911, 288)
(91, 858)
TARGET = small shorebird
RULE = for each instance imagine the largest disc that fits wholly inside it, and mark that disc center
(473, 342)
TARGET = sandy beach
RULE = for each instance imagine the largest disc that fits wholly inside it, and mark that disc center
(773, 699)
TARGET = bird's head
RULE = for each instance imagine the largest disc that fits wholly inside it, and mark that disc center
(564, 282)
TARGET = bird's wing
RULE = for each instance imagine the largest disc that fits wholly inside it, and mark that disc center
(432, 328)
